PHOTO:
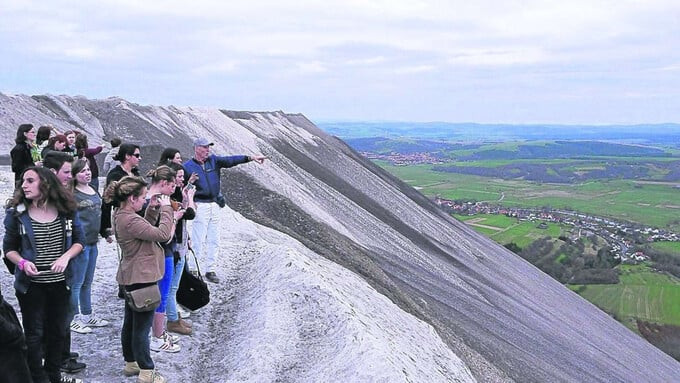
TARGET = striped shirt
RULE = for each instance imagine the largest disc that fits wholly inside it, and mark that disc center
(49, 243)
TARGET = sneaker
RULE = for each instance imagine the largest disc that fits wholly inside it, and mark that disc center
(170, 337)
(163, 344)
(212, 277)
(92, 321)
(72, 366)
(183, 314)
(68, 379)
(79, 327)
(73, 355)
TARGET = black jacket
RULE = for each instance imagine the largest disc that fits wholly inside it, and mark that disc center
(114, 175)
(13, 365)
(21, 159)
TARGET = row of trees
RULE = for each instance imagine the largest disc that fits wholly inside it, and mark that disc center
(563, 173)
(570, 263)
(663, 261)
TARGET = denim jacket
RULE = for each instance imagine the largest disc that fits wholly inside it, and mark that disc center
(19, 237)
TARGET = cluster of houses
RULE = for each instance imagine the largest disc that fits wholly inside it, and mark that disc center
(619, 235)
(404, 159)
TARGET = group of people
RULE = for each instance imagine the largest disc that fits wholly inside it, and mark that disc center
(53, 223)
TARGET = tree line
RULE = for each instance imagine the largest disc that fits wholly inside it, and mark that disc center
(568, 262)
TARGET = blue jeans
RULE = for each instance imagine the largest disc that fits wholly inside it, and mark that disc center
(44, 309)
(164, 284)
(171, 308)
(82, 268)
(135, 337)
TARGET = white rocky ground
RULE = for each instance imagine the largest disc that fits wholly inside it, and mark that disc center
(282, 313)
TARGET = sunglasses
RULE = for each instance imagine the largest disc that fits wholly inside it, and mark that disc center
(137, 155)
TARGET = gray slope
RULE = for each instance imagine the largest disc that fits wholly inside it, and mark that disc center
(503, 317)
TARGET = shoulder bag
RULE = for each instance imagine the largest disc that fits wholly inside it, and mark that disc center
(145, 299)
(193, 292)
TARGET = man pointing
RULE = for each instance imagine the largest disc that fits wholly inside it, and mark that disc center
(209, 198)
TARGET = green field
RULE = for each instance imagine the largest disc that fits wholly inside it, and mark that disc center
(668, 247)
(504, 229)
(641, 293)
(654, 204)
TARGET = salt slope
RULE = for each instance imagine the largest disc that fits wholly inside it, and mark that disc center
(317, 322)
(285, 314)
(63, 112)
(506, 319)
(509, 315)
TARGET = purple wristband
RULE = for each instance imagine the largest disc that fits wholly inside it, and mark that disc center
(21, 264)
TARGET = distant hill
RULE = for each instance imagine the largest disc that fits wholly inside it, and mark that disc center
(467, 132)
(404, 145)
(505, 151)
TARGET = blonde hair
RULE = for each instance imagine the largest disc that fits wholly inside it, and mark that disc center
(119, 191)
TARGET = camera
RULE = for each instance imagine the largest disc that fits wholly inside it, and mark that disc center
(175, 205)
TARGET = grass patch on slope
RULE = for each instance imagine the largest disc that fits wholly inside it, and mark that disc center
(668, 247)
(641, 294)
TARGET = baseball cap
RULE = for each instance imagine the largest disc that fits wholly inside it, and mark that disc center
(202, 142)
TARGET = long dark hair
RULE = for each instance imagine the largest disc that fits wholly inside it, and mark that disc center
(81, 144)
(21, 137)
(177, 194)
(52, 192)
(119, 191)
(124, 150)
(77, 167)
(55, 139)
(43, 135)
(167, 156)
(176, 167)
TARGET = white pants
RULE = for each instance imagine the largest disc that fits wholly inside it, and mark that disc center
(205, 235)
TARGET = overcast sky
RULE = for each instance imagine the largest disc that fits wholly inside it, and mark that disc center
(576, 61)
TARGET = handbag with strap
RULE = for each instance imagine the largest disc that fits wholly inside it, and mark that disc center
(145, 299)
(193, 291)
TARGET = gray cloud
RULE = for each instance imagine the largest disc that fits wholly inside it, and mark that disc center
(535, 61)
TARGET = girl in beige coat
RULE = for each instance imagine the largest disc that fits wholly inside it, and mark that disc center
(142, 264)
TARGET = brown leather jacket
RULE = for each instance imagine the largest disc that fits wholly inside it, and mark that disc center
(143, 260)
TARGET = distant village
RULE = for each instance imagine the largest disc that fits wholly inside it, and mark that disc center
(404, 159)
(621, 236)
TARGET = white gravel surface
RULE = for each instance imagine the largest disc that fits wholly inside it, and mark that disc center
(282, 313)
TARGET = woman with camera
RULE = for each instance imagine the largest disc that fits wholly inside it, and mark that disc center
(163, 180)
(185, 196)
(141, 267)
